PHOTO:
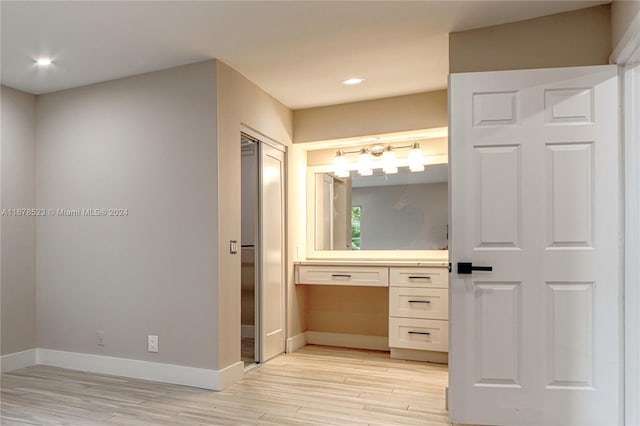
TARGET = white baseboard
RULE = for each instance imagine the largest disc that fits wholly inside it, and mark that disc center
(357, 341)
(296, 342)
(17, 360)
(145, 370)
(247, 331)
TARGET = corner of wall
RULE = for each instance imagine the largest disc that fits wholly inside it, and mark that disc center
(17, 232)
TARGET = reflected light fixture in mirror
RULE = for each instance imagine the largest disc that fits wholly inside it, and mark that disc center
(389, 165)
(416, 163)
(364, 163)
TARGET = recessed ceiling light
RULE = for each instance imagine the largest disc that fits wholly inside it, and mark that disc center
(352, 81)
(43, 62)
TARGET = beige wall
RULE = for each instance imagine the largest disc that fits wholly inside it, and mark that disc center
(18, 190)
(240, 102)
(581, 37)
(147, 144)
(339, 309)
(388, 115)
(623, 14)
(297, 296)
(351, 310)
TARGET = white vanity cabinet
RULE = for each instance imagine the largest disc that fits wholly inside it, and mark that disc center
(418, 306)
(419, 313)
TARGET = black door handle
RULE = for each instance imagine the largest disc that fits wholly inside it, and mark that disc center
(467, 268)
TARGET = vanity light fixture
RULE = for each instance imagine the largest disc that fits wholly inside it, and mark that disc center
(388, 163)
(416, 162)
(364, 163)
(340, 165)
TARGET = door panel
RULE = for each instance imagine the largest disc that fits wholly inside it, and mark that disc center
(272, 253)
(498, 306)
(497, 186)
(534, 164)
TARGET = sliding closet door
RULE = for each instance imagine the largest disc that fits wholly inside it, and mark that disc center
(272, 253)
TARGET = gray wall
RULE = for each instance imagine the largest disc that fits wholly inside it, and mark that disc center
(18, 266)
(147, 144)
(407, 217)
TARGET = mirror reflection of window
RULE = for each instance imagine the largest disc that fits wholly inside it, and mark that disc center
(356, 214)
(402, 211)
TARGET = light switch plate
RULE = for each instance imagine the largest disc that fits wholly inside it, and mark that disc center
(233, 246)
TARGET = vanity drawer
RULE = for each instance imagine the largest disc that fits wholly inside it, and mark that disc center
(427, 303)
(419, 277)
(372, 276)
(420, 334)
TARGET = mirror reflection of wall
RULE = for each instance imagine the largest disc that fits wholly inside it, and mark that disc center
(333, 212)
(403, 211)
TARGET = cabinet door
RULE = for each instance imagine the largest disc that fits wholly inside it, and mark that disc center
(419, 277)
(427, 303)
(421, 334)
(373, 276)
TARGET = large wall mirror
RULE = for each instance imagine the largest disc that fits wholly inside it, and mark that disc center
(404, 211)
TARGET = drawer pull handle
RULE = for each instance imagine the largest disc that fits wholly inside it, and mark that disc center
(425, 333)
(341, 275)
(419, 301)
(417, 277)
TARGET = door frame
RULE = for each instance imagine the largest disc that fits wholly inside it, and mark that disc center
(627, 56)
(261, 138)
(630, 91)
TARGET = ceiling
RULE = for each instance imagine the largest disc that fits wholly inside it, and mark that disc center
(298, 51)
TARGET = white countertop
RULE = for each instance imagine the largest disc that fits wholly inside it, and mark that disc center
(354, 262)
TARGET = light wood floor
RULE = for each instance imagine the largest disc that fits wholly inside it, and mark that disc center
(315, 385)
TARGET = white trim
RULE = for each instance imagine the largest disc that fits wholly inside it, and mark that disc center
(247, 331)
(343, 340)
(145, 370)
(261, 137)
(628, 49)
(296, 342)
(631, 150)
(17, 360)
(230, 375)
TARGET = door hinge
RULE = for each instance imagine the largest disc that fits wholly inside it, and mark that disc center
(449, 267)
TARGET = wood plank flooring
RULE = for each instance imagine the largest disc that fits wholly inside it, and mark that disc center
(313, 386)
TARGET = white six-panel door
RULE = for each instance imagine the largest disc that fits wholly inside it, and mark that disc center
(535, 186)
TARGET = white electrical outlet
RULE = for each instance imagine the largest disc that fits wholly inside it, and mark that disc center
(152, 343)
(100, 338)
